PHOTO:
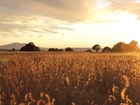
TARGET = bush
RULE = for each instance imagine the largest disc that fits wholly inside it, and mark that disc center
(30, 47)
(69, 49)
(55, 49)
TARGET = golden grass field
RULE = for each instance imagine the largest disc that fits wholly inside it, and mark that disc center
(69, 79)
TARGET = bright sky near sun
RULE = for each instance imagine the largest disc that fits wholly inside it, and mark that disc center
(69, 23)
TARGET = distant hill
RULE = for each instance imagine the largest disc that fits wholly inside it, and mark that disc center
(17, 46)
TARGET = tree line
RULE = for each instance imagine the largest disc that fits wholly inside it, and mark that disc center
(32, 47)
(119, 47)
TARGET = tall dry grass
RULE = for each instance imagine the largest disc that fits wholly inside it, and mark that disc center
(69, 79)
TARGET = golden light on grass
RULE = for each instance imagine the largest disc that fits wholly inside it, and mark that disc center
(40, 102)
(49, 99)
(26, 97)
(114, 89)
(73, 103)
(13, 99)
(111, 98)
(31, 97)
(123, 93)
(126, 81)
(128, 101)
(124, 96)
(63, 77)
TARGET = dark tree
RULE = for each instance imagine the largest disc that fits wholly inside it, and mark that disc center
(89, 50)
(119, 47)
(96, 47)
(122, 47)
(69, 49)
(13, 49)
(30, 47)
(55, 49)
(133, 45)
(107, 49)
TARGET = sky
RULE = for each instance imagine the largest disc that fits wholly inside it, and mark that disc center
(69, 23)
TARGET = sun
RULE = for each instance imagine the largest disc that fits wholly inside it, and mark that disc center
(121, 17)
(118, 26)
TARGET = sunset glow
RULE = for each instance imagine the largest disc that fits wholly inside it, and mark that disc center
(60, 23)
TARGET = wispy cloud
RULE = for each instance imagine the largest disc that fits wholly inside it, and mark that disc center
(131, 6)
(32, 26)
(47, 17)
(70, 10)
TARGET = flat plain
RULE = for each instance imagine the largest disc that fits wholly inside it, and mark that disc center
(69, 79)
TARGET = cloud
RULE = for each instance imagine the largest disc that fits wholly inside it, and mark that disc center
(32, 26)
(131, 6)
(39, 17)
(67, 10)
(47, 17)
(70, 10)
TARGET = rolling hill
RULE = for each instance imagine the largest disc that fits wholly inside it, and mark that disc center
(16, 46)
